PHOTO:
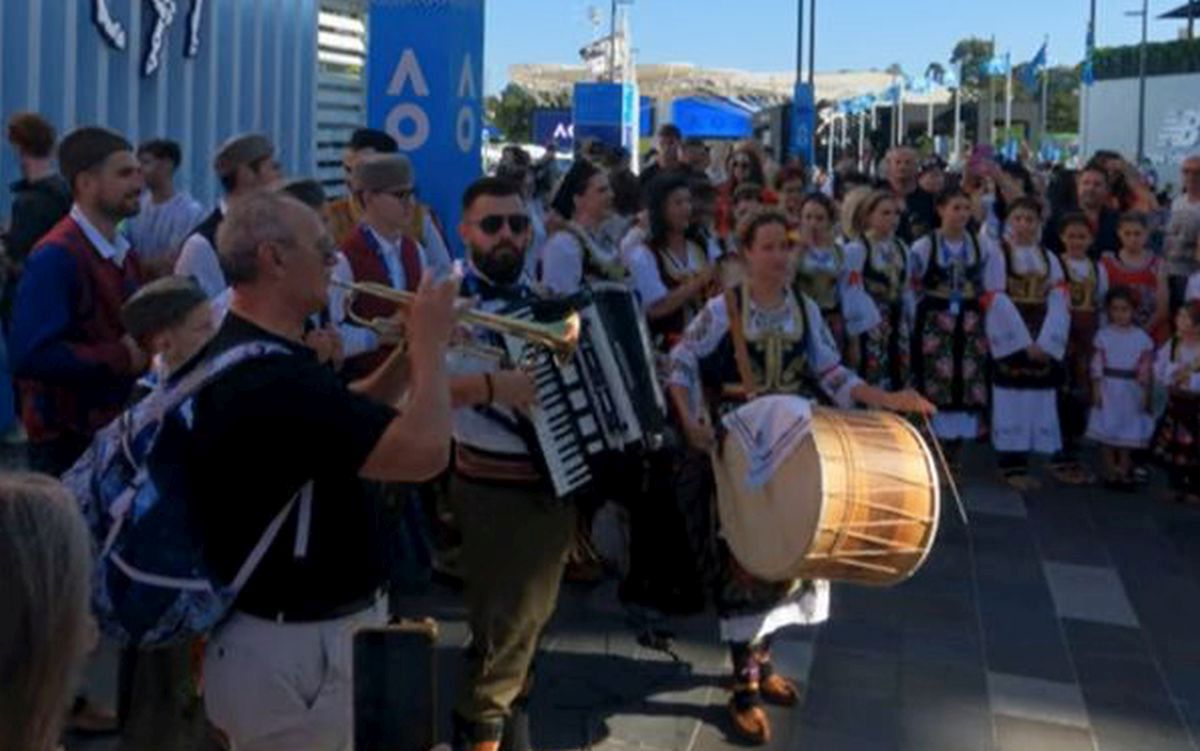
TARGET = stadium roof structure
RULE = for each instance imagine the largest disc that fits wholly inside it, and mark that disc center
(677, 80)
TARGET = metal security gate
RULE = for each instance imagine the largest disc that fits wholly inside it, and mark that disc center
(341, 86)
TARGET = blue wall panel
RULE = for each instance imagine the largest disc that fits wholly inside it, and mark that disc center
(256, 70)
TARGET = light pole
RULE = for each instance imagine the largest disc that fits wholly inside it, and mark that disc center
(1141, 123)
(812, 46)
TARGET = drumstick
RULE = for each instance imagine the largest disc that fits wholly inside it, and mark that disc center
(937, 445)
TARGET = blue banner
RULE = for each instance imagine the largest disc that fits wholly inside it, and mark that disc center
(606, 112)
(803, 115)
(553, 125)
(425, 88)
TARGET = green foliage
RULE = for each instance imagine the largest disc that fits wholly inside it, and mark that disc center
(972, 53)
(511, 112)
(1162, 58)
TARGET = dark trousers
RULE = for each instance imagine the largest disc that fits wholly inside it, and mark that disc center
(56, 456)
(514, 548)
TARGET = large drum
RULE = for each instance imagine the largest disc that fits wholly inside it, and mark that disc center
(855, 500)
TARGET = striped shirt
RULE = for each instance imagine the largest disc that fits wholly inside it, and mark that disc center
(159, 229)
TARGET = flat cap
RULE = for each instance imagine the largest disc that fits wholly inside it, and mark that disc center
(244, 149)
(161, 304)
(383, 172)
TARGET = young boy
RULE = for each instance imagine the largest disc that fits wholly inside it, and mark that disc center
(159, 704)
(1087, 284)
(1027, 324)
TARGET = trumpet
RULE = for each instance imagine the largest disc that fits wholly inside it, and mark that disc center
(559, 337)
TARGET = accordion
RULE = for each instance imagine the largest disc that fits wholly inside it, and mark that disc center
(602, 402)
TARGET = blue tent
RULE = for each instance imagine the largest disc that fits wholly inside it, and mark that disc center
(711, 117)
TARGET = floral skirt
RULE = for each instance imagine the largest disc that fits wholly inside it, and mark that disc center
(949, 358)
(885, 349)
(1176, 440)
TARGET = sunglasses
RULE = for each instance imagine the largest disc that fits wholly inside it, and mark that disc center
(491, 224)
(402, 194)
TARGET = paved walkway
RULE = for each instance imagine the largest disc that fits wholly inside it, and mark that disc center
(1065, 619)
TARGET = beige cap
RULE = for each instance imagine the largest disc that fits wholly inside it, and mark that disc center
(244, 149)
(383, 172)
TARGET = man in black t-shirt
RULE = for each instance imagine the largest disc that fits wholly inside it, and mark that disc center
(281, 427)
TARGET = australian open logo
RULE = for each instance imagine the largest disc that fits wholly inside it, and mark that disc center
(164, 12)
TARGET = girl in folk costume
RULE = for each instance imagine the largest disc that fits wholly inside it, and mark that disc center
(1087, 284)
(949, 348)
(1121, 372)
(820, 261)
(579, 252)
(761, 338)
(671, 270)
(1028, 321)
(1177, 438)
(1136, 267)
(873, 292)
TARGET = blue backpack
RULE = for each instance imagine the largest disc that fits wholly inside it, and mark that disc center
(151, 584)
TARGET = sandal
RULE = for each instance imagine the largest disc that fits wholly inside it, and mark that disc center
(779, 691)
(750, 723)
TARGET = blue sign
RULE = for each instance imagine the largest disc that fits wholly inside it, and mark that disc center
(606, 112)
(711, 117)
(424, 87)
(646, 117)
(553, 125)
(803, 117)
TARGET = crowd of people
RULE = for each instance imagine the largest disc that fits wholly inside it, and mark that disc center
(1035, 307)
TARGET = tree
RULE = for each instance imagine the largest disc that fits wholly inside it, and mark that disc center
(511, 112)
(935, 72)
(972, 53)
(1063, 106)
(893, 69)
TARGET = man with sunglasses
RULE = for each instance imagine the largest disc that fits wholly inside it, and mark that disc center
(515, 534)
(346, 212)
(377, 250)
(244, 164)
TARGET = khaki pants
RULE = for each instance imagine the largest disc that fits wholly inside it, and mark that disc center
(514, 548)
(284, 686)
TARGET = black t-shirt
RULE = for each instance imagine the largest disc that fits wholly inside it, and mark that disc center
(1104, 238)
(260, 432)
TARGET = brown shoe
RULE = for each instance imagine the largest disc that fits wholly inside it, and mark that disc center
(750, 724)
(485, 746)
(779, 690)
(88, 718)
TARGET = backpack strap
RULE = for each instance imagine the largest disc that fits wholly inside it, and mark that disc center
(205, 372)
(304, 497)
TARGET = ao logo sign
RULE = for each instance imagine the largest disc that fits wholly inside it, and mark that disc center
(564, 132)
(408, 122)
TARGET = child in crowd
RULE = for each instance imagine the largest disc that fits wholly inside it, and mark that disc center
(1136, 267)
(1087, 284)
(1121, 371)
(1027, 324)
(1177, 438)
(160, 705)
(873, 292)
(820, 260)
(747, 199)
(950, 348)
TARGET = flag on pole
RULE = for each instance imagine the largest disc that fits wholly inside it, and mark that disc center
(1086, 74)
(1029, 74)
(997, 65)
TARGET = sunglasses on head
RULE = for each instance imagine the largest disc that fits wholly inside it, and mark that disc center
(491, 224)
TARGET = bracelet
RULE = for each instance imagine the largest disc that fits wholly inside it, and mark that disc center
(491, 390)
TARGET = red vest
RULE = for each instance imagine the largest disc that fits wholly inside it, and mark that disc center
(362, 251)
(51, 409)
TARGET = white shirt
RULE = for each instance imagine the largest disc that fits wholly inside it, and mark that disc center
(643, 269)
(562, 261)
(198, 259)
(1184, 202)
(113, 251)
(160, 228)
(1192, 293)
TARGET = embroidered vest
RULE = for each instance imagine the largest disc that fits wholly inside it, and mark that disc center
(673, 275)
(1028, 291)
(778, 361)
(939, 281)
(362, 251)
(820, 284)
(1082, 290)
(594, 266)
(886, 284)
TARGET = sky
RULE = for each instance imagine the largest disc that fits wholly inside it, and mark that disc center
(760, 35)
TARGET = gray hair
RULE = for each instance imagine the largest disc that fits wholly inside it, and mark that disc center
(45, 577)
(260, 217)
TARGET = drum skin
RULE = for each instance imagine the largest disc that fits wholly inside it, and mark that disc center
(857, 501)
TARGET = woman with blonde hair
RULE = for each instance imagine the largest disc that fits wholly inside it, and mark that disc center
(45, 629)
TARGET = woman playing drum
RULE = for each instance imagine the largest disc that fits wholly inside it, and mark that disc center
(757, 339)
